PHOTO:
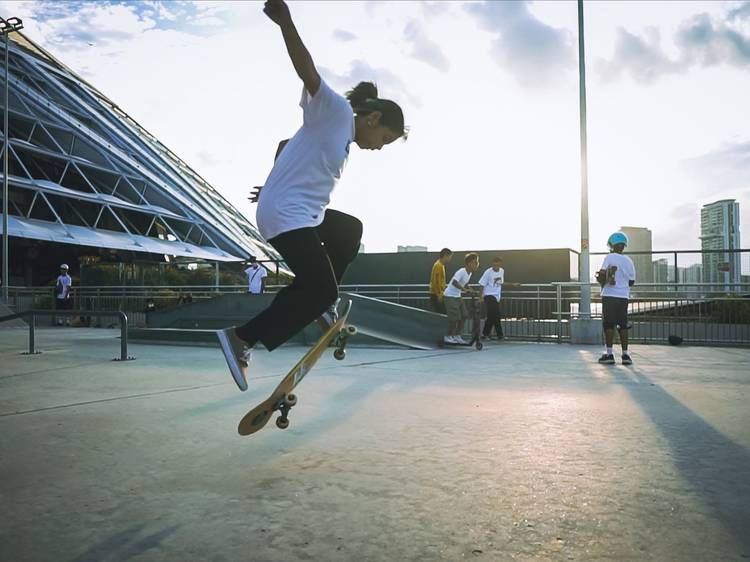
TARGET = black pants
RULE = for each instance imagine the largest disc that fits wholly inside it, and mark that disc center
(493, 317)
(318, 257)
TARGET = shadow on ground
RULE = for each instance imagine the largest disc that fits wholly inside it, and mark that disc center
(717, 468)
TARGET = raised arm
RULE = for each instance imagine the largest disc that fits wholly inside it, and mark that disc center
(278, 11)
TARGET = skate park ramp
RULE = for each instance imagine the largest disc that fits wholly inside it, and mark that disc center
(15, 323)
(380, 323)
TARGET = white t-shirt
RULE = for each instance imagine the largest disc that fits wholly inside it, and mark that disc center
(65, 282)
(625, 273)
(462, 278)
(492, 281)
(255, 277)
(299, 187)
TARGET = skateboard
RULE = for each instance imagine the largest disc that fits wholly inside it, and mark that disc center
(475, 326)
(281, 398)
(606, 276)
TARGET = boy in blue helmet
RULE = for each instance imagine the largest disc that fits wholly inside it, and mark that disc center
(616, 276)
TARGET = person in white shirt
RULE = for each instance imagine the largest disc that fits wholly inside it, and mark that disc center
(616, 276)
(491, 284)
(256, 277)
(454, 305)
(62, 293)
(317, 243)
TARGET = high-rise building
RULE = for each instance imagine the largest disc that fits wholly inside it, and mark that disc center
(412, 249)
(663, 271)
(720, 231)
(86, 179)
(691, 274)
(640, 241)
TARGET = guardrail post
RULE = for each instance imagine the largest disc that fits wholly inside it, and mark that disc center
(558, 295)
(32, 321)
(123, 338)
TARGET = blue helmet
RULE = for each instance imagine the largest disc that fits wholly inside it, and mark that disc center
(617, 238)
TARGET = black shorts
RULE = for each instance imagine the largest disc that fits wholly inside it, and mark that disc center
(614, 313)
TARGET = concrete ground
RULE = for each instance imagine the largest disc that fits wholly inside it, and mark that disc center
(518, 452)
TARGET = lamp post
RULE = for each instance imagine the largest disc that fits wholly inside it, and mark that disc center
(584, 307)
(6, 28)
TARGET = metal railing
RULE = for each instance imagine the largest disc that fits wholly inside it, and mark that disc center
(700, 313)
(32, 314)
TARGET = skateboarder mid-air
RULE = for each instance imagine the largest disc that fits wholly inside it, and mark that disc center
(316, 243)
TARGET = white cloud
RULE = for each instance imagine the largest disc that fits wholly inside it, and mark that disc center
(423, 48)
(642, 58)
(708, 42)
(537, 54)
(343, 35)
(723, 170)
(701, 40)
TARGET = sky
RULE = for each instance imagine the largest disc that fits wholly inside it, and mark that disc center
(489, 91)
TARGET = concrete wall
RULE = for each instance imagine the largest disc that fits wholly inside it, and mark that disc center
(521, 266)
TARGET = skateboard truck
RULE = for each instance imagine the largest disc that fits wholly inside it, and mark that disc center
(340, 352)
(282, 422)
(285, 404)
(282, 399)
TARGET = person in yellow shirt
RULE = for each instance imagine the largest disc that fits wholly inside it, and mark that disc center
(437, 281)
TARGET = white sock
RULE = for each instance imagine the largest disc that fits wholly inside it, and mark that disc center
(609, 351)
(625, 353)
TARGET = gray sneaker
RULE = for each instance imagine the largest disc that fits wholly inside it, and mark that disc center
(237, 354)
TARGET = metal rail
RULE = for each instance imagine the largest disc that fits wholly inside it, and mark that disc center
(32, 314)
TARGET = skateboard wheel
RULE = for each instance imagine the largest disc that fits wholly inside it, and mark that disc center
(479, 346)
(290, 400)
(282, 423)
(351, 330)
(339, 354)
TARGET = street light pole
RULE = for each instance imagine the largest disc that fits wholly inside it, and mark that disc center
(584, 307)
(6, 27)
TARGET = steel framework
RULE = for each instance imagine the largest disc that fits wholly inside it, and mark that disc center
(82, 171)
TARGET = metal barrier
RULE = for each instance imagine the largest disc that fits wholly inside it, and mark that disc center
(32, 314)
(701, 313)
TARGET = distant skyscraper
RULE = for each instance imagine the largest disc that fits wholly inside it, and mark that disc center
(691, 274)
(640, 241)
(720, 230)
(663, 271)
(412, 249)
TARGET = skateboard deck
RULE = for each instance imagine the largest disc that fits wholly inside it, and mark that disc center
(281, 398)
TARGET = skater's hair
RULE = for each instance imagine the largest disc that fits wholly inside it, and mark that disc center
(497, 259)
(470, 257)
(445, 252)
(364, 100)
